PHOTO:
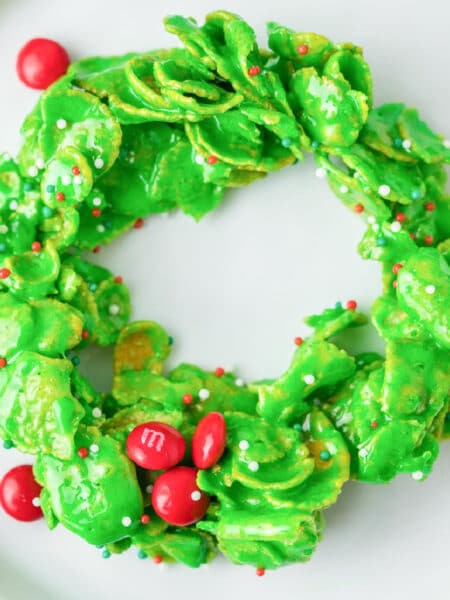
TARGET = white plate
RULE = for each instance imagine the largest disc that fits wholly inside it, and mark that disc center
(233, 290)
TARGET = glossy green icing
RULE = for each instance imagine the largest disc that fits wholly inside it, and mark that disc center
(120, 138)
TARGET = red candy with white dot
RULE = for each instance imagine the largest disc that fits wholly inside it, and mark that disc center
(19, 494)
(155, 446)
(177, 499)
(209, 440)
(41, 62)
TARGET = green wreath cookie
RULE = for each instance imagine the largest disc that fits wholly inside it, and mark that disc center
(179, 464)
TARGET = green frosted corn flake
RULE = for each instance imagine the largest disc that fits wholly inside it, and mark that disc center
(61, 228)
(113, 303)
(330, 111)
(101, 230)
(141, 346)
(303, 49)
(60, 188)
(80, 120)
(37, 410)
(351, 66)
(422, 141)
(30, 152)
(11, 185)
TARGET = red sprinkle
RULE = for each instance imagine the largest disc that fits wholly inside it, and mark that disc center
(220, 371)
(396, 268)
(351, 304)
(260, 572)
(430, 206)
(298, 341)
(401, 217)
(428, 239)
(187, 398)
(96, 212)
(254, 71)
(374, 424)
(303, 49)
(85, 334)
(139, 223)
(60, 196)
(211, 160)
(145, 519)
(412, 235)
(4, 273)
(76, 170)
(359, 208)
(3, 362)
(157, 559)
(36, 246)
(118, 279)
(395, 283)
(96, 250)
(83, 452)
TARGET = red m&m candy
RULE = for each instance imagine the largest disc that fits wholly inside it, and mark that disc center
(19, 494)
(176, 497)
(41, 62)
(155, 446)
(208, 442)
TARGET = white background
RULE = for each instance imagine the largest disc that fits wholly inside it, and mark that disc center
(233, 290)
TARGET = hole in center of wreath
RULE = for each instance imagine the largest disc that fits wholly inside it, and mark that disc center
(233, 289)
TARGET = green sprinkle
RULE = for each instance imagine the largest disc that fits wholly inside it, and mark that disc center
(325, 455)
(8, 444)
(142, 555)
(106, 554)
(297, 427)
(27, 186)
(50, 189)
(47, 211)
(170, 340)
(286, 142)
(76, 360)
(381, 241)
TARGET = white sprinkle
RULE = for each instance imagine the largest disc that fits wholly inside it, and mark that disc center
(309, 379)
(356, 174)
(98, 163)
(149, 489)
(66, 179)
(96, 201)
(244, 445)
(371, 220)
(94, 448)
(203, 394)
(384, 190)
(101, 228)
(363, 452)
(375, 227)
(239, 382)
(396, 226)
(40, 163)
(13, 205)
(126, 521)
(417, 475)
(97, 412)
(78, 180)
(61, 123)
(446, 143)
(253, 466)
(321, 173)
(430, 289)
(36, 502)
(196, 496)
(406, 144)
(33, 171)
(199, 159)
(3, 228)
(114, 309)
(343, 189)
(6, 156)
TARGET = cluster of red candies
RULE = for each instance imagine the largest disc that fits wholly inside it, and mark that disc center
(155, 446)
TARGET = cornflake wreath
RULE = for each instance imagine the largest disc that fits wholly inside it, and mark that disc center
(119, 138)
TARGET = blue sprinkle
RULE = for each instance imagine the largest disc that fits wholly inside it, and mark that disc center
(2, 247)
(325, 455)
(8, 444)
(75, 360)
(27, 186)
(338, 305)
(92, 287)
(50, 189)
(398, 142)
(315, 145)
(416, 194)
(47, 211)
(286, 142)
(381, 241)
(106, 554)
(142, 555)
